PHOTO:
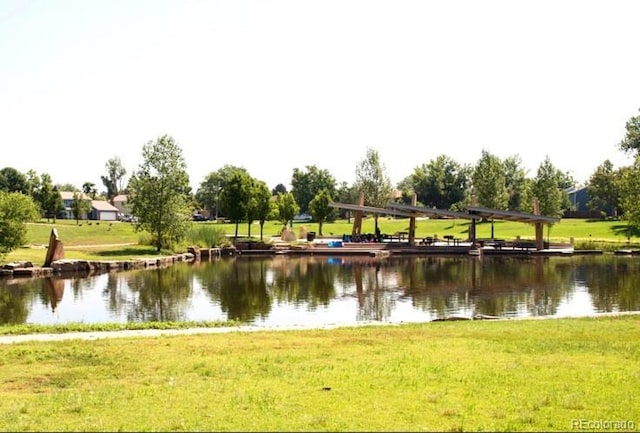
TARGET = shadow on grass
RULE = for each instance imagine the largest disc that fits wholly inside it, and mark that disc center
(625, 230)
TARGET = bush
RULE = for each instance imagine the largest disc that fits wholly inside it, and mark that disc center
(207, 236)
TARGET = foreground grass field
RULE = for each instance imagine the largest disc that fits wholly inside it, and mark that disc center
(119, 241)
(507, 375)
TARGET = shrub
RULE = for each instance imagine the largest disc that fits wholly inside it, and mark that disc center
(207, 236)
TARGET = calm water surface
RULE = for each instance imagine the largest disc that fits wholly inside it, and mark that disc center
(286, 291)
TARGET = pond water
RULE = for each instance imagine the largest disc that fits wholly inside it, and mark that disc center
(316, 290)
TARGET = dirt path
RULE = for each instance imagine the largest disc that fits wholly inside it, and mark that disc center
(95, 335)
(72, 247)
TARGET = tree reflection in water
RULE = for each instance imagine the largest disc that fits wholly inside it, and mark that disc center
(275, 290)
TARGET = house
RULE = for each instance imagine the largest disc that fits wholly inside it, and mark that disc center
(120, 202)
(103, 211)
(67, 204)
(100, 209)
(579, 199)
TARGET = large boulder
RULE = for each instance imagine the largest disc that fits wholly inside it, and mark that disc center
(56, 250)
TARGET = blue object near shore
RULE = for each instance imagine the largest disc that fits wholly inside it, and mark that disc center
(334, 244)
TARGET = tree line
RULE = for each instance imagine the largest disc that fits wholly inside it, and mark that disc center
(163, 202)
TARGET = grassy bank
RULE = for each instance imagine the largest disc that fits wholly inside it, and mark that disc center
(119, 241)
(508, 375)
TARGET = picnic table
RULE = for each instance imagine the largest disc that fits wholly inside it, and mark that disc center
(397, 236)
(427, 241)
(451, 239)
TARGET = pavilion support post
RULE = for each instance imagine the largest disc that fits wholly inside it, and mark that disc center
(412, 222)
(472, 232)
(538, 225)
(357, 218)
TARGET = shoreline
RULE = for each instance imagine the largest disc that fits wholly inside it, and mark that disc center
(133, 333)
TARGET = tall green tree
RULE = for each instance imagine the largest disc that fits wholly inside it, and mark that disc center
(11, 180)
(546, 189)
(89, 188)
(33, 184)
(80, 206)
(279, 188)
(160, 193)
(305, 184)
(114, 180)
(235, 196)
(441, 183)
(515, 180)
(287, 207)
(264, 205)
(629, 188)
(16, 209)
(346, 194)
(631, 140)
(373, 182)
(48, 197)
(209, 193)
(604, 188)
(319, 208)
(489, 182)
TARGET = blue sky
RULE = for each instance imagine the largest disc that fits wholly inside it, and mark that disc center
(275, 85)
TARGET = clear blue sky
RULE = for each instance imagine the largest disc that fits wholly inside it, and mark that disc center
(274, 85)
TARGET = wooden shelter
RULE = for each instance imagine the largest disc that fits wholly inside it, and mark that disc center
(473, 213)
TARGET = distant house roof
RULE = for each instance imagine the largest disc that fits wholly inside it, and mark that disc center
(120, 198)
(68, 195)
(102, 206)
(575, 189)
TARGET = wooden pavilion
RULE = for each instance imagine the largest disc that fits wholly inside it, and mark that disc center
(473, 213)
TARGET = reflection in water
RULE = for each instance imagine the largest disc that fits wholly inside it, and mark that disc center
(318, 290)
(55, 287)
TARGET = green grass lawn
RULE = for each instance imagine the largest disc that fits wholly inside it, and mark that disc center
(505, 375)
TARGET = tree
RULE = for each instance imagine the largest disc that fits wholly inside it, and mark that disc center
(160, 193)
(489, 182)
(11, 180)
(16, 209)
(33, 184)
(319, 208)
(114, 180)
(80, 206)
(287, 207)
(252, 205)
(346, 194)
(441, 183)
(604, 188)
(263, 204)
(48, 197)
(372, 181)
(305, 185)
(546, 189)
(631, 140)
(526, 196)
(234, 198)
(279, 188)
(209, 194)
(89, 188)
(629, 187)
(515, 179)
